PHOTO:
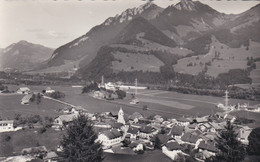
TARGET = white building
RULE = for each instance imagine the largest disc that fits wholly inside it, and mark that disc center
(121, 117)
(243, 134)
(26, 99)
(49, 90)
(109, 138)
(182, 121)
(6, 125)
(63, 119)
(23, 90)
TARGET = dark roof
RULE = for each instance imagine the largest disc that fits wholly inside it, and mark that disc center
(230, 117)
(201, 119)
(133, 130)
(192, 126)
(133, 144)
(34, 149)
(112, 134)
(146, 129)
(207, 145)
(164, 138)
(116, 125)
(114, 113)
(196, 132)
(182, 119)
(135, 115)
(177, 130)
(188, 137)
(220, 114)
(144, 120)
(173, 146)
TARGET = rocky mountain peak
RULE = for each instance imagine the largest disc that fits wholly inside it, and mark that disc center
(129, 14)
(186, 5)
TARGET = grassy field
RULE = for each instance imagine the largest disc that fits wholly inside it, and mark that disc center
(249, 115)
(149, 156)
(165, 103)
(255, 74)
(28, 138)
(11, 105)
(229, 58)
(133, 62)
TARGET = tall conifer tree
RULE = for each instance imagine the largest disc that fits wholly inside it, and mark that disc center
(79, 143)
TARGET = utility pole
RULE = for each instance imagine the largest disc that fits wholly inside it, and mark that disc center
(226, 98)
(135, 87)
(102, 80)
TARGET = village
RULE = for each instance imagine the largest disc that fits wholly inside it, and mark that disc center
(133, 134)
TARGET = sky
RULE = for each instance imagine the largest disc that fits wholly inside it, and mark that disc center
(53, 23)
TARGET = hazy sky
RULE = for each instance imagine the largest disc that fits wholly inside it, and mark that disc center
(55, 22)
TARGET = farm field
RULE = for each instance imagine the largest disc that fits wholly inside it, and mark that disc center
(151, 156)
(165, 103)
(219, 60)
(255, 74)
(28, 138)
(11, 105)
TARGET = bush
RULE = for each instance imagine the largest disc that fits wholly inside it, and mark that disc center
(7, 138)
(42, 130)
(90, 87)
(254, 142)
(57, 95)
(121, 94)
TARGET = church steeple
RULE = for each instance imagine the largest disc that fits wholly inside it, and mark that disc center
(121, 116)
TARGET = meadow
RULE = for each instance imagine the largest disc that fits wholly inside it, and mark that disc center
(165, 103)
(28, 138)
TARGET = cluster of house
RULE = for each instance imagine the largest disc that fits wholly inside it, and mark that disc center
(28, 94)
(128, 134)
(118, 85)
(120, 133)
(26, 90)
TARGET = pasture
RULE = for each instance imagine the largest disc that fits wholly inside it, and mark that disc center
(165, 103)
(28, 138)
(222, 58)
(11, 105)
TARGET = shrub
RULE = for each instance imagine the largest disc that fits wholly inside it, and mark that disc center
(57, 95)
(7, 138)
(42, 130)
(121, 94)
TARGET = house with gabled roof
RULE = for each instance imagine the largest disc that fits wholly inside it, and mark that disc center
(182, 121)
(64, 119)
(203, 119)
(193, 126)
(23, 90)
(146, 132)
(135, 117)
(215, 127)
(132, 132)
(116, 125)
(164, 138)
(110, 138)
(243, 134)
(177, 131)
(26, 99)
(208, 146)
(190, 138)
(171, 146)
(6, 125)
(230, 118)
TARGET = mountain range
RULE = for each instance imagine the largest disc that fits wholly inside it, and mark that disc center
(23, 56)
(152, 39)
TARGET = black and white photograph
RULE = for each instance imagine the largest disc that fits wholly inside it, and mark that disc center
(130, 80)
